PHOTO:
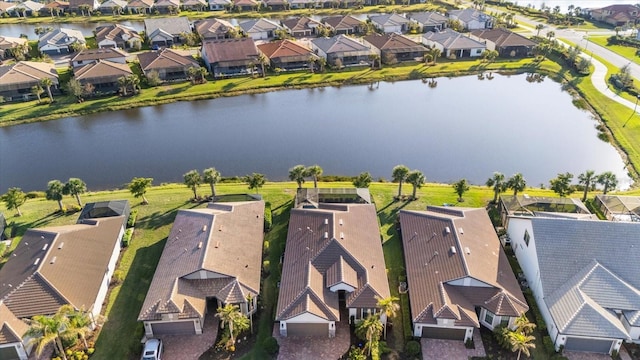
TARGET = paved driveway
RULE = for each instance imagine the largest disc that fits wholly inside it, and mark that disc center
(571, 355)
(190, 347)
(303, 348)
(438, 349)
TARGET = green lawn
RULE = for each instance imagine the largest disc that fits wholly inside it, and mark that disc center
(627, 52)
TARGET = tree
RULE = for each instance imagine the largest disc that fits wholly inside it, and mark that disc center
(314, 171)
(363, 180)
(523, 325)
(74, 87)
(192, 179)
(608, 180)
(153, 78)
(123, 83)
(490, 55)
(369, 330)
(264, 61)
(517, 183)
(134, 81)
(434, 53)
(75, 187)
(47, 84)
(460, 188)
(561, 184)
(389, 307)
(211, 176)
(78, 323)
(416, 179)
(13, 199)
(587, 179)
(399, 174)
(37, 90)
(624, 77)
(237, 322)
(521, 343)
(498, 184)
(255, 181)
(138, 188)
(538, 28)
(550, 35)
(297, 174)
(192, 73)
(55, 191)
(45, 330)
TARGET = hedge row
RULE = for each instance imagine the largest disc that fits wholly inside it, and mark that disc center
(126, 238)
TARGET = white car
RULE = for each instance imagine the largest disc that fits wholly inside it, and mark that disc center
(152, 350)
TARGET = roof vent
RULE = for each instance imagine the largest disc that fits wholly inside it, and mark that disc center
(447, 230)
(341, 235)
(467, 250)
(204, 228)
(461, 231)
(200, 245)
(61, 245)
(326, 235)
(453, 250)
(341, 222)
(53, 260)
(217, 244)
(45, 247)
(326, 221)
(36, 262)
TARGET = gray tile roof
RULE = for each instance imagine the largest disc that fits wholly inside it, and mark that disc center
(428, 18)
(61, 37)
(339, 43)
(173, 25)
(469, 14)
(389, 19)
(453, 40)
(259, 25)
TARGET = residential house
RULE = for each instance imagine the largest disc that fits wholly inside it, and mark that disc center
(215, 29)
(343, 25)
(390, 23)
(429, 21)
(304, 4)
(5, 7)
(219, 5)
(61, 41)
(26, 8)
(56, 7)
(231, 57)
(393, 48)
(277, 5)
(525, 205)
(140, 6)
(452, 43)
(55, 266)
(342, 50)
(220, 266)
(119, 36)
(619, 207)
(103, 75)
(7, 43)
(166, 32)
(16, 80)
(167, 6)
(584, 277)
(195, 5)
(617, 15)
(88, 56)
(458, 276)
(506, 42)
(333, 272)
(80, 5)
(246, 5)
(287, 55)
(113, 7)
(260, 29)
(171, 65)
(472, 19)
(301, 26)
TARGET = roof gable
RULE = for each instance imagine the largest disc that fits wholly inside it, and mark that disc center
(102, 69)
(283, 48)
(229, 50)
(339, 43)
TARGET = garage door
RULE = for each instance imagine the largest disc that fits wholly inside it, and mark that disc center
(9, 353)
(306, 329)
(589, 345)
(443, 333)
(173, 328)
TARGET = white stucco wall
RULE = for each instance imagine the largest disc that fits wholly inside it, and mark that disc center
(22, 354)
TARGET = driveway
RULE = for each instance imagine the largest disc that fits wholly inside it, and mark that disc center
(573, 355)
(303, 348)
(190, 347)
(437, 349)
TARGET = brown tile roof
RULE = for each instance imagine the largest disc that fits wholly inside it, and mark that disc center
(102, 69)
(75, 4)
(59, 265)
(393, 43)
(341, 22)
(229, 50)
(224, 240)
(11, 328)
(317, 239)
(57, 4)
(165, 58)
(7, 42)
(140, 4)
(27, 72)
(212, 27)
(503, 37)
(300, 23)
(444, 246)
(97, 54)
(4, 5)
(283, 48)
(115, 33)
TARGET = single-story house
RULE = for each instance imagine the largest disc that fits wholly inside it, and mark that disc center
(301, 26)
(16, 80)
(506, 42)
(195, 5)
(103, 75)
(619, 207)
(304, 4)
(26, 8)
(525, 205)
(246, 5)
(5, 7)
(260, 29)
(348, 51)
(215, 29)
(171, 65)
(394, 48)
(472, 19)
(79, 5)
(113, 7)
(231, 57)
(347, 25)
(56, 7)
(276, 5)
(219, 5)
(617, 15)
(88, 56)
(584, 277)
(7, 43)
(451, 42)
(140, 6)
(61, 41)
(333, 261)
(212, 258)
(167, 6)
(390, 23)
(429, 21)
(287, 54)
(119, 36)
(12, 346)
(458, 276)
(166, 32)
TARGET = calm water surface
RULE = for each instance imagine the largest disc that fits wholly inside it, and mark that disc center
(464, 127)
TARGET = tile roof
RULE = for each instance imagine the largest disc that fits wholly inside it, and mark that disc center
(4, 5)
(61, 37)
(341, 22)
(389, 19)
(102, 69)
(140, 4)
(57, 4)
(194, 3)
(223, 240)
(229, 50)
(428, 18)
(442, 247)
(173, 25)
(117, 33)
(453, 40)
(212, 27)
(469, 14)
(7, 42)
(166, 4)
(29, 5)
(165, 58)
(110, 4)
(284, 48)
(11, 328)
(259, 25)
(26, 72)
(503, 37)
(393, 43)
(99, 54)
(300, 23)
(339, 43)
(326, 245)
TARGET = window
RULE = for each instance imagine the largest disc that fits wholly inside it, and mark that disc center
(504, 321)
(488, 317)
(527, 237)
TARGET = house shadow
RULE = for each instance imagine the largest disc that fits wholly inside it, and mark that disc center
(158, 219)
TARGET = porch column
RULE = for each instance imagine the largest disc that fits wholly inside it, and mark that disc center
(283, 328)
(332, 329)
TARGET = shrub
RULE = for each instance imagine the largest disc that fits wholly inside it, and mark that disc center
(265, 246)
(265, 267)
(126, 238)
(271, 346)
(35, 194)
(268, 218)
(548, 345)
(132, 218)
(90, 351)
(412, 348)
(116, 279)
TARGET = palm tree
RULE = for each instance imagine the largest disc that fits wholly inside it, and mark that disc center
(47, 84)
(230, 315)
(75, 187)
(192, 179)
(363, 180)
(138, 188)
(460, 188)
(389, 307)
(45, 330)
(264, 61)
(192, 71)
(55, 191)
(211, 176)
(517, 183)
(538, 28)
(498, 184)
(521, 343)
(134, 81)
(370, 329)
(297, 174)
(550, 35)
(416, 179)
(123, 83)
(255, 181)
(435, 53)
(314, 171)
(608, 180)
(587, 179)
(78, 324)
(399, 174)
(37, 90)
(523, 325)
(13, 199)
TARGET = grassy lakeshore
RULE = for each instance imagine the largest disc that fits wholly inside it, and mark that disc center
(120, 336)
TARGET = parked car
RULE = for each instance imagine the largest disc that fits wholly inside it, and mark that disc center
(152, 350)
